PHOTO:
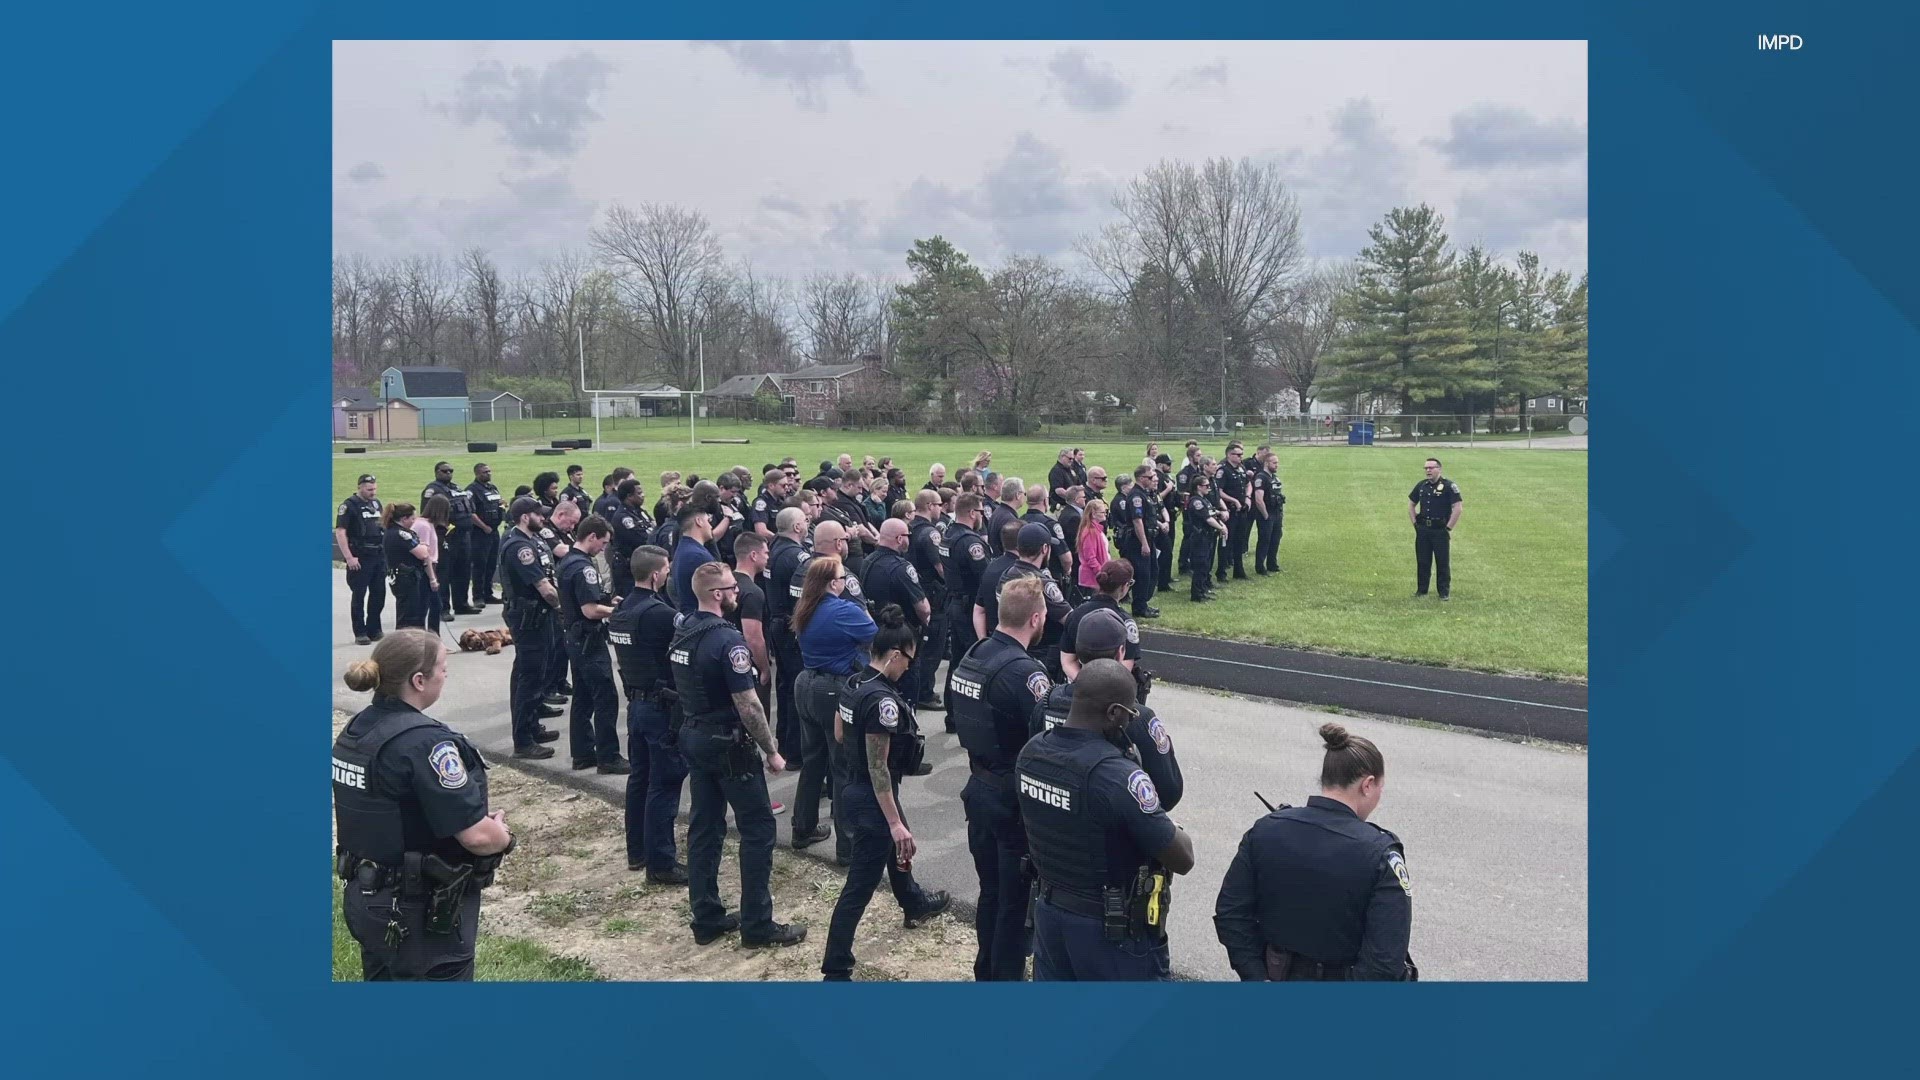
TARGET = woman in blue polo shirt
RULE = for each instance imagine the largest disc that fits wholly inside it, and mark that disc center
(833, 630)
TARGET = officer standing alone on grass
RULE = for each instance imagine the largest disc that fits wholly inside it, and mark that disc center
(641, 631)
(995, 687)
(1104, 849)
(1317, 893)
(360, 538)
(1434, 508)
(723, 736)
(483, 552)
(415, 840)
(532, 601)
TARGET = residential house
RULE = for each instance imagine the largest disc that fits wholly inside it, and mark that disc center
(742, 394)
(359, 416)
(440, 393)
(640, 399)
(824, 395)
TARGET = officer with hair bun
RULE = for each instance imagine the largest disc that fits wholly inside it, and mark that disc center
(1104, 849)
(416, 842)
(1318, 893)
(882, 743)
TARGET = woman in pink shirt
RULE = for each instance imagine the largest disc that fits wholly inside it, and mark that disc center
(1093, 552)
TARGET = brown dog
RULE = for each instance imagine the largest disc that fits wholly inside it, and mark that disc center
(487, 641)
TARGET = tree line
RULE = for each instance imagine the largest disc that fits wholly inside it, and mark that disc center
(1195, 299)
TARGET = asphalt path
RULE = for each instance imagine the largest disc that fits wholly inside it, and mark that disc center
(1510, 705)
(1495, 830)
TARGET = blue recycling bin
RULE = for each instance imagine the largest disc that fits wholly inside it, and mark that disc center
(1360, 433)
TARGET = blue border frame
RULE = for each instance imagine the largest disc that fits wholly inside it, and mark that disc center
(1753, 754)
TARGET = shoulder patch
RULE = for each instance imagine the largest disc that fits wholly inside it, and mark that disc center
(1140, 786)
(1054, 594)
(1039, 685)
(448, 765)
(526, 554)
(976, 552)
(678, 618)
(1399, 864)
(740, 659)
(912, 574)
(1161, 741)
(853, 585)
(593, 576)
(346, 508)
(889, 713)
(760, 505)
(1133, 632)
(626, 523)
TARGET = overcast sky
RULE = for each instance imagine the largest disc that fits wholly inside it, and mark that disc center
(833, 156)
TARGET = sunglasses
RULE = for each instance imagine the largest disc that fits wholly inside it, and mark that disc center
(724, 588)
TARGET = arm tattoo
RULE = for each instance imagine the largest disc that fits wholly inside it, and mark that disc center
(877, 743)
(754, 718)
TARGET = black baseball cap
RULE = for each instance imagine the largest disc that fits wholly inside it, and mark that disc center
(365, 478)
(523, 506)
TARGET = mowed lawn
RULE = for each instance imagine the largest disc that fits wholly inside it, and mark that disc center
(1519, 557)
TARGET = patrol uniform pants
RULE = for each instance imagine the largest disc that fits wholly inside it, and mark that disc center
(422, 954)
(409, 599)
(1266, 551)
(819, 694)
(715, 788)
(1238, 529)
(454, 558)
(1163, 560)
(369, 588)
(1430, 553)
(786, 670)
(483, 559)
(1069, 947)
(532, 626)
(593, 722)
(998, 843)
(933, 647)
(1146, 573)
(959, 639)
(653, 787)
(872, 858)
(1200, 562)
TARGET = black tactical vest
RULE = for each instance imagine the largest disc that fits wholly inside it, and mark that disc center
(991, 735)
(860, 702)
(641, 668)
(1329, 856)
(698, 702)
(1068, 842)
(371, 823)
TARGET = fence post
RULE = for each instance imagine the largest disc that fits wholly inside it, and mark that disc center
(1416, 429)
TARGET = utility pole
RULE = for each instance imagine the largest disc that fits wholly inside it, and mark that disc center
(593, 403)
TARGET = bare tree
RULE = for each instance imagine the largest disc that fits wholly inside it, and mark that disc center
(486, 307)
(356, 292)
(668, 262)
(427, 298)
(840, 316)
(1031, 336)
(1306, 326)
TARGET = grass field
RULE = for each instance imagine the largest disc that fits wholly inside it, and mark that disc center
(1519, 557)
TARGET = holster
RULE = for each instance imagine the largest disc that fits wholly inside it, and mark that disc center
(1279, 964)
(743, 759)
(449, 886)
(1032, 877)
(1114, 921)
(1148, 902)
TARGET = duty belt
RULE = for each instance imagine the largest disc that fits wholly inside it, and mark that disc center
(1433, 522)
(1071, 902)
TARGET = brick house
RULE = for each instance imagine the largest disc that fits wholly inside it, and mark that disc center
(823, 394)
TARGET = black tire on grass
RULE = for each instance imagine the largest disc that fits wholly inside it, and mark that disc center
(354, 450)
(483, 448)
(553, 452)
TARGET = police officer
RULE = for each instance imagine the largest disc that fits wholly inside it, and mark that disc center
(1136, 515)
(926, 551)
(1103, 635)
(965, 553)
(723, 735)
(584, 608)
(1060, 560)
(986, 599)
(1317, 892)
(1072, 513)
(576, 491)
(690, 553)
(786, 553)
(1233, 484)
(1012, 490)
(1112, 582)
(1182, 487)
(1268, 509)
(1158, 530)
(892, 578)
(1031, 548)
(882, 743)
(1204, 528)
(765, 508)
(1170, 505)
(631, 529)
(995, 686)
(1060, 478)
(411, 572)
(459, 542)
(1434, 508)
(641, 630)
(532, 600)
(483, 548)
(609, 501)
(1104, 849)
(416, 842)
(359, 534)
